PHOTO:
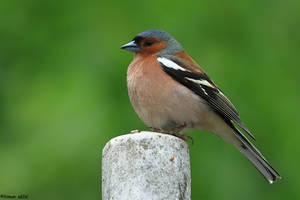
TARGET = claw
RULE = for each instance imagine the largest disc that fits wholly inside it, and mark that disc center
(185, 137)
(175, 132)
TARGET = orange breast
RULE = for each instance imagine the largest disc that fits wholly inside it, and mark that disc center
(159, 100)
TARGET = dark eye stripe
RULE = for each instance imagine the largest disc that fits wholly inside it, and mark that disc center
(148, 43)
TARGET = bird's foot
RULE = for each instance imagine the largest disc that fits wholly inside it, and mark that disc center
(183, 137)
(175, 132)
(178, 129)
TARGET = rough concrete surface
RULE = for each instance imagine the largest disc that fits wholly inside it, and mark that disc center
(146, 166)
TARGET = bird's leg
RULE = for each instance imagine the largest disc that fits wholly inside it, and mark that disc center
(183, 136)
(156, 129)
(175, 132)
(178, 129)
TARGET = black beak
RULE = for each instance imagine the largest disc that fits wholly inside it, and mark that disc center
(131, 46)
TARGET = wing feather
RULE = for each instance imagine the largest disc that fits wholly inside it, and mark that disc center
(203, 86)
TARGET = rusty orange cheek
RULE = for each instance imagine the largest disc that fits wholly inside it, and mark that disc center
(156, 47)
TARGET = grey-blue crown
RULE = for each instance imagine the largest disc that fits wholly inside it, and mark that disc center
(172, 47)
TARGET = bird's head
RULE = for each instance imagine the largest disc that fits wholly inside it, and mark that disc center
(153, 42)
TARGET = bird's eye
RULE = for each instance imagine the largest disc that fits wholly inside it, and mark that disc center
(148, 43)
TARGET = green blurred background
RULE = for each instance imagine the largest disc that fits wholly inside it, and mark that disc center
(63, 91)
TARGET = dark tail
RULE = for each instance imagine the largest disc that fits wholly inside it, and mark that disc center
(256, 158)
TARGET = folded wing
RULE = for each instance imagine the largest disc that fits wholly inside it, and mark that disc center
(203, 86)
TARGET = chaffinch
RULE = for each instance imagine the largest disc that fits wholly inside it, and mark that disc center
(171, 93)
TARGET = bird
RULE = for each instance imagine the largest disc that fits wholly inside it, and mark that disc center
(171, 94)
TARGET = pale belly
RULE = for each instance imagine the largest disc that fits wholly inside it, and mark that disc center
(162, 103)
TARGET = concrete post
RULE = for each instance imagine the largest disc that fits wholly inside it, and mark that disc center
(146, 166)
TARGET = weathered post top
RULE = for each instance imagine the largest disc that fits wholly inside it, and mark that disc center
(146, 166)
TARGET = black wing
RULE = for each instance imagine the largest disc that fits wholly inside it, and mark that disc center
(203, 86)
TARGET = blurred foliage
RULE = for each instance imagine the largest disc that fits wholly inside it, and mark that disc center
(63, 90)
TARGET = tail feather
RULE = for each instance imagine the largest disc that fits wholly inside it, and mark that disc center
(256, 158)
